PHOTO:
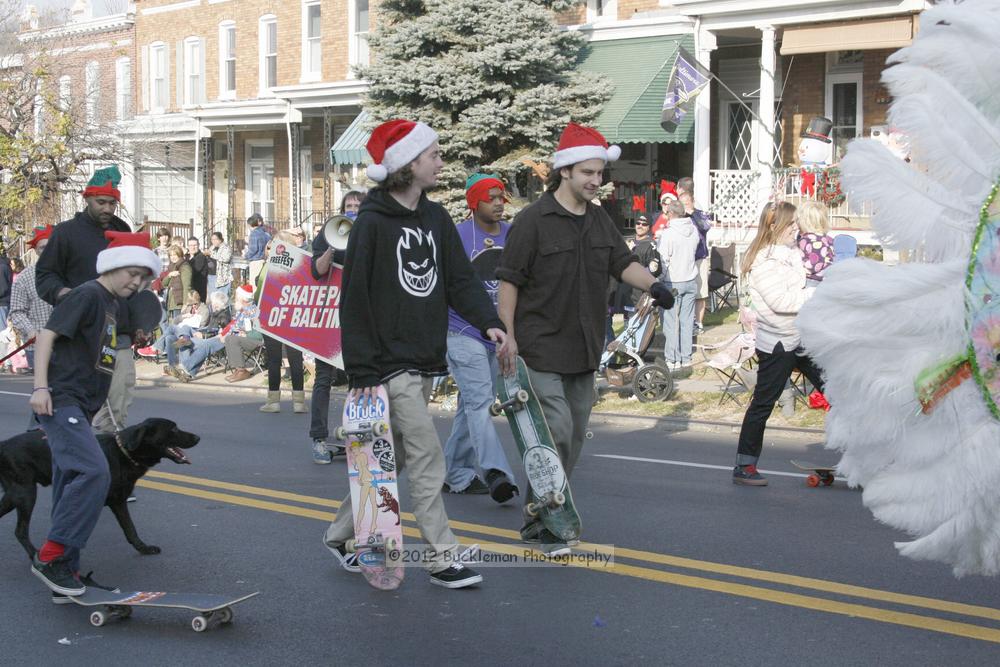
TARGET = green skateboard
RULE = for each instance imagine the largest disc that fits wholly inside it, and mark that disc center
(550, 499)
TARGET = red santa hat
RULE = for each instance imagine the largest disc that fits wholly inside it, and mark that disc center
(579, 143)
(128, 249)
(245, 291)
(396, 143)
(668, 191)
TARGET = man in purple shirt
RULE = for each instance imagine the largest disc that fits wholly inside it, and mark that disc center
(473, 454)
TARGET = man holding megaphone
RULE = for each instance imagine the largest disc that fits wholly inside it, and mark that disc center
(325, 256)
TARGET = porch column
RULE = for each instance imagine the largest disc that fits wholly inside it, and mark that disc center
(765, 126)
(294, 172)
(327, 145)
(704, 45)
(231, 185)
(207, 167)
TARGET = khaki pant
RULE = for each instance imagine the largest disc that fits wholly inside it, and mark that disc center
(566, 401)
(418, 449)
(119, 396)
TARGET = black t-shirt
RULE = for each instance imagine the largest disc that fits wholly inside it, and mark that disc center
(199, 274)
(83, 356)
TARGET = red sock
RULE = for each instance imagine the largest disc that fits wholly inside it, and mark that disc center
(50, 551)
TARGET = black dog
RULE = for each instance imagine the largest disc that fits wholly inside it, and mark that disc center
(26, 462)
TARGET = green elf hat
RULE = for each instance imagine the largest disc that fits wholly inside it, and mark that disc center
(477, 189)
(104, 183)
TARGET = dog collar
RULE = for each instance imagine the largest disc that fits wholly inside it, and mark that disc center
(121, 448)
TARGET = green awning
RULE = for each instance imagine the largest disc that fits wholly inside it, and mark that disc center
(349, 148)
(640, 69)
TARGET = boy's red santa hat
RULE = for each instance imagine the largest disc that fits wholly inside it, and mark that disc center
(395, 144)
(40, 234)
(668, 191)
(579, 143)
(128, 249)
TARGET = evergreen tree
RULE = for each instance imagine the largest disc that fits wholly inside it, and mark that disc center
(496, 80)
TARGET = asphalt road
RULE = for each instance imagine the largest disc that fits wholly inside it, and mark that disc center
(705, 572)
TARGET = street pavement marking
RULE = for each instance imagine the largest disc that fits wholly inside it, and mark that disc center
(794, 599)
(689, 464)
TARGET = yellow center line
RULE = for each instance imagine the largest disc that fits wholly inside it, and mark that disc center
(754, 592)
(824, 586)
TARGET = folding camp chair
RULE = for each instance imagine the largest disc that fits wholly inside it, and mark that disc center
(732, 360)
(721, 279)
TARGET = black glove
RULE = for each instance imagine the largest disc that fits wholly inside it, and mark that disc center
(663, 297)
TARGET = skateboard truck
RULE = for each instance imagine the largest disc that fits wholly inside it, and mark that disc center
(516, 403)
(378, 429)
(552, 500)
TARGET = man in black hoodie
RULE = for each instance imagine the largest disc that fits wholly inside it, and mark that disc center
(70, 259)
(405, 266)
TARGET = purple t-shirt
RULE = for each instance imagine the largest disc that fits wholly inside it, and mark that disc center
(484, 250)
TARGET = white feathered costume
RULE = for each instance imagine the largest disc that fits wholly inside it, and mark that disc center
(874, 328)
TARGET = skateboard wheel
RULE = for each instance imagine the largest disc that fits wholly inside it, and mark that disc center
(199, 624)
(828, 480)
(351, 545)
(340, 433)
(380, 429)
(522, 396)
(531, 511)
(123, 612)
(590, 435)
(558, 498)
(225, 615)
(813, 480)
(495, 409)
(98, 618)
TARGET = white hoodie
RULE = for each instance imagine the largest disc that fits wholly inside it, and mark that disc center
(677, 246)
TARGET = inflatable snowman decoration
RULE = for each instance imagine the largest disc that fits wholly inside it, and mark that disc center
(815, 152)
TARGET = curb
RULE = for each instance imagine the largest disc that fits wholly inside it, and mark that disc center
(668, 424)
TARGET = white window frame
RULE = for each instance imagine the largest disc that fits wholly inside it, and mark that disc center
(65, 93)
(856, 78)
(158, 50)
(357, 41)
(194, 70)
(123, 88)
(225, 29)
(91, 91)
(312, 47)
(264, 24)
(608, 10)
(265, 164)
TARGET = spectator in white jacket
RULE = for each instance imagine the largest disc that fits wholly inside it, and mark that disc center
(776, 279)
(677, 246)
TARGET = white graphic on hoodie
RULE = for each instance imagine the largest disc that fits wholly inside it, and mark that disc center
(415, 254)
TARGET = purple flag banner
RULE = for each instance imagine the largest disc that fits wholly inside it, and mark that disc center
(687, 79)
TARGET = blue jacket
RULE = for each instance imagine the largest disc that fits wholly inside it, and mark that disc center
(256, 243)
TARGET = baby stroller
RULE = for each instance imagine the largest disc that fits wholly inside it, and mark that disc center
(622, 363)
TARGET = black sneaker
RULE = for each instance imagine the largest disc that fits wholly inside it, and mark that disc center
(552, 546)
(456, 576)
(475, 488)
(57, 575)
(348, 561)
(748, 476)
(501, 488)
(88, 581)
(531, 533)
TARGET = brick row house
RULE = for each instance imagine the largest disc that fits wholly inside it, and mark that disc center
(88, 65)
(777, 65)
(246, 98)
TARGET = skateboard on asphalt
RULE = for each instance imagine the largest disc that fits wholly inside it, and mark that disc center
(550, 499)
(819, 474)
(212, 609)
(371, 469)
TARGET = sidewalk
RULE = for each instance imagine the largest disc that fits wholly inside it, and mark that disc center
(694, 404)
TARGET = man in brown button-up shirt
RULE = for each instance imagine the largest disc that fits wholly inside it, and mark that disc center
(554, 274)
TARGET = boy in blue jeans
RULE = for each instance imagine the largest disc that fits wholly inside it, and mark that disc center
(74, 360)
